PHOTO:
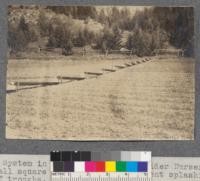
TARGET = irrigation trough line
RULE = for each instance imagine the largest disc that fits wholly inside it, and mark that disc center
(108, 70)
(60, 78)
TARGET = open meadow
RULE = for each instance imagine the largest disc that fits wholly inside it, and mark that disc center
(152, 100)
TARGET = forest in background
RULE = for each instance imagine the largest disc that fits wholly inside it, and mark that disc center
(103, 29)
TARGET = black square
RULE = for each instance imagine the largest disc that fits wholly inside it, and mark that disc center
(58, 166)
(85, 156)
(76, 156)
(55, 156)
(69, 166)
(66, 156)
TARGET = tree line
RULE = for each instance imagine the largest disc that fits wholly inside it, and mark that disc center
(148, 30)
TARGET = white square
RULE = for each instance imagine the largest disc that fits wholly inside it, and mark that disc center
(79, 166)
(51, 166)
(146, 156)
(136, 156)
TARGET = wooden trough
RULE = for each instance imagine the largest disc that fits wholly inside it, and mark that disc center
(133, 63)
(147, 59)
(109, 70)
(120, 66)
(70, 78)
(94, 73)
(35, 83)
(128, 64)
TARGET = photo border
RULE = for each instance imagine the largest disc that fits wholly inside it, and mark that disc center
(158, 148)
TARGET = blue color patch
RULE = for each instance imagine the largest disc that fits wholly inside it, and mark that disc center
(142, 167)
(132, 166)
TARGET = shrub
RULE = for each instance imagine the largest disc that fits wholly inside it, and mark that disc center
(16, 39)
(144, 43)
(19, 36)
(110, 39)
(61, 34)
(80, 39)
(43, 24)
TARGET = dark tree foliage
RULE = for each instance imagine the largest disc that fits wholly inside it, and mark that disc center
(179, 23)
(116, 37)
(60, 35)
(43, 24)
(24, 28)
(146, 35)
(140, 43)
(16, 39)
(67, 10)
(115, 16)
(80, 12)
(102, 18)
(80, 40)
(110, 39)
(160, 25)
(83, 37)
(19, 36)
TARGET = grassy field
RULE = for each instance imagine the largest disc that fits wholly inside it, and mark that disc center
(149, 101)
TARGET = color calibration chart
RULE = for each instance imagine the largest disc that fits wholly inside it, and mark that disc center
(100, 166)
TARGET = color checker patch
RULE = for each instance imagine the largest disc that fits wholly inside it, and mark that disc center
(120, 166)
(100, 166)
(90, 166)
(85, 161)
(142, 166)
(79, 166)
(110, 166)
(132, 166)
(69, 166)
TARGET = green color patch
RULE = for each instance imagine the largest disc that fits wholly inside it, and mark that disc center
(121, 166)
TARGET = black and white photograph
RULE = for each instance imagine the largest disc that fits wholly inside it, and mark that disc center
(100, 73)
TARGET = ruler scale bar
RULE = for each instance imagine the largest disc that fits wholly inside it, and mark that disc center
(62, 178)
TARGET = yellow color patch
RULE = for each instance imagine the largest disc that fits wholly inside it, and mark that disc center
(110, 166)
